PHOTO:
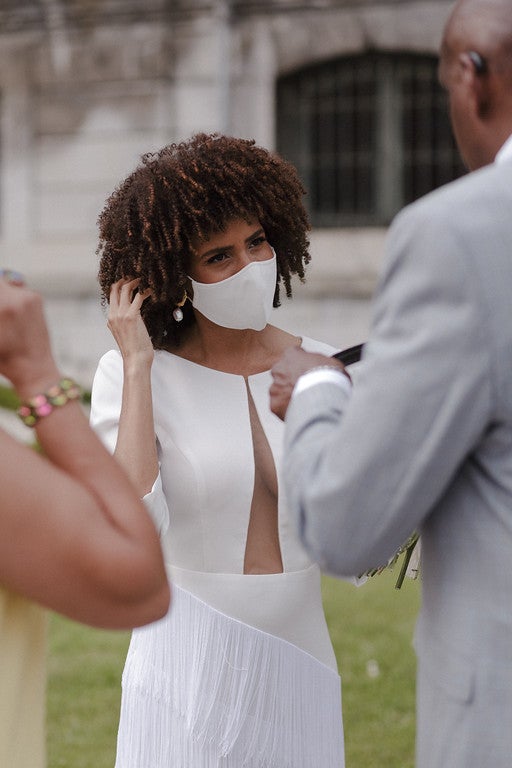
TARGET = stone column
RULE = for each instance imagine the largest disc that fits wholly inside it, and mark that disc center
(16, 178)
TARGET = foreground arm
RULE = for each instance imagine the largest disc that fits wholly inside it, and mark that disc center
(363, 470)
(74, 534)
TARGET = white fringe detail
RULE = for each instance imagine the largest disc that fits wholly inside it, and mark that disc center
(203, 690)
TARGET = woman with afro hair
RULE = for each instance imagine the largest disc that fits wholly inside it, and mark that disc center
(195, 246)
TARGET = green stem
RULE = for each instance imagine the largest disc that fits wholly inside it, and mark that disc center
(405, 563)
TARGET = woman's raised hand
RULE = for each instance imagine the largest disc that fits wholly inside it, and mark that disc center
(136, 444)
(125, 321)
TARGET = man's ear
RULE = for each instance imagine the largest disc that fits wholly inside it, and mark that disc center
(475, 76)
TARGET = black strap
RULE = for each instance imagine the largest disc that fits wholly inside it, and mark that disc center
(350, 355)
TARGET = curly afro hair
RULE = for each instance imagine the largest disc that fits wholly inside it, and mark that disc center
(184, 193)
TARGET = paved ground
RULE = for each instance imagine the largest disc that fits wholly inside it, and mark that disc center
(80, 336)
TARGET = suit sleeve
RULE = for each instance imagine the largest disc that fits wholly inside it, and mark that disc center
(364, 470)
(107, 392)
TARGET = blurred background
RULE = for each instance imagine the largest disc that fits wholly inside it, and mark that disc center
(345, 89)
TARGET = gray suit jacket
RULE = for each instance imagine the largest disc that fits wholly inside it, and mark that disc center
(425, 442)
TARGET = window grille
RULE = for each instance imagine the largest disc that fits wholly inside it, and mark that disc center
(368, 134)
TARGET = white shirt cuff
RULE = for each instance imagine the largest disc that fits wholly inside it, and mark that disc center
(322, 375)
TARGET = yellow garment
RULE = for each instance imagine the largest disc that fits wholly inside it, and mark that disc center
(22, 682)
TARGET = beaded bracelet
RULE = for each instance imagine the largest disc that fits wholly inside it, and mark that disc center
(43, 404)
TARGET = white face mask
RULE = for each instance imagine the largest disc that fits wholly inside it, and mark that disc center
(241, 301)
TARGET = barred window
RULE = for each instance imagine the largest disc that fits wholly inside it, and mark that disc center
(368, 134)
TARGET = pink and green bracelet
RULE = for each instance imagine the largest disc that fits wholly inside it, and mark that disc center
(34, 409)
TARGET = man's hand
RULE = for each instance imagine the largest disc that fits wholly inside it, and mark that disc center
(293, 364)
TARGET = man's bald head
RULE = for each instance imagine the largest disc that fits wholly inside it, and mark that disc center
(476, 70)
(484, 26)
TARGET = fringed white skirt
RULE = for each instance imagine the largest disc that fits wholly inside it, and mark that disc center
(204, 690)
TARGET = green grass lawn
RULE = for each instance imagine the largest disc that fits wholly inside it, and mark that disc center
(371, 628)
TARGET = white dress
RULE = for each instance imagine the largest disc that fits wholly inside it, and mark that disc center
(241, 673)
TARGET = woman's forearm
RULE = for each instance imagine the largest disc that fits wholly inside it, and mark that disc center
(136, 442)
(75, 536)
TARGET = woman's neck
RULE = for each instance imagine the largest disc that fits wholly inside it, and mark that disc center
(243, 352)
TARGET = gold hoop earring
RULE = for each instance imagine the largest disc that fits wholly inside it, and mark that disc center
(177, 312)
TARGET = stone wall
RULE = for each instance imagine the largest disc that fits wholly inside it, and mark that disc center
(87, 86)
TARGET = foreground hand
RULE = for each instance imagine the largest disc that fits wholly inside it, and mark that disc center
(293, 364)
(125, 321)
(25, 354)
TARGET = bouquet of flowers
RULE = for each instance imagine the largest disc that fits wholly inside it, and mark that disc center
(411, 550)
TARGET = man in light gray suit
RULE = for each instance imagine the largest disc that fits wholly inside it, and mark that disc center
(424, 440)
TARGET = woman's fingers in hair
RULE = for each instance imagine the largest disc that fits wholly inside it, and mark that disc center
(125, 321)
(125, 291)
(126, 286)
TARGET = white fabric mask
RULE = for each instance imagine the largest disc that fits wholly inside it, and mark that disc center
(241, 301)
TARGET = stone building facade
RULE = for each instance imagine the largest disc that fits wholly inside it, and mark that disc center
(87, 86)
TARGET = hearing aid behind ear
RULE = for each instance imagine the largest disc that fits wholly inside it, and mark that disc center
(479, 62)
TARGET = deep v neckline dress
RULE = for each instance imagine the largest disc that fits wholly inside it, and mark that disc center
(241, 672)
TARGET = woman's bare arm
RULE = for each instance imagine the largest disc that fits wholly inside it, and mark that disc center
(136, 442)
(74, 534)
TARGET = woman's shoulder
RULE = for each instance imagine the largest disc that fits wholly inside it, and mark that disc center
(168, 357)
(109, 371)
(110, 362)
(111, 357)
